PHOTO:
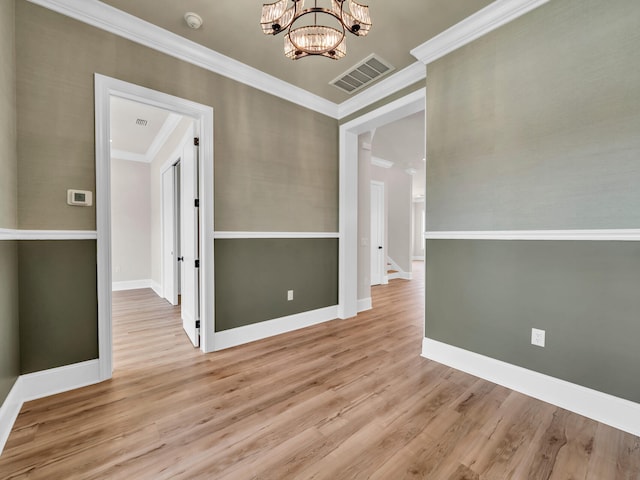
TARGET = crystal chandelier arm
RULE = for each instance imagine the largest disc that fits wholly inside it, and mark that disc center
(276, 17)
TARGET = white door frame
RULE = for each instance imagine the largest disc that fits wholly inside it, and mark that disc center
(348, 253)
(105, 88)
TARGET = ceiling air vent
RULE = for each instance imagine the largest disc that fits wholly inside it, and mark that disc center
(362, 74)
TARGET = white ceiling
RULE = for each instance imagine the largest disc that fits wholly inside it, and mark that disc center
(403, 143)
(131, 141)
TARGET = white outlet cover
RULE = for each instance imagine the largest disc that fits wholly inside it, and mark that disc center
(289, 295)
(537, 337)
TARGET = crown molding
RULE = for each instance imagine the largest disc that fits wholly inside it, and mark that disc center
(169, 125)
(390, 85)
(381, 162)
(130, 156)
(110, 19)
(480, 23)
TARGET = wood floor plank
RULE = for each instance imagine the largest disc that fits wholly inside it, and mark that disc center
(347, 399)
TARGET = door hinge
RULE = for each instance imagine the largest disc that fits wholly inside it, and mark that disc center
(196, 202)
(197, 263)
(197, 323)
(196, 141)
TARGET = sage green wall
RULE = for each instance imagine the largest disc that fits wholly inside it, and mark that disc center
(58, 303)
(485, 296)
(8, 155)
(535, 126)
(253, 276)
(9, 334)
(276, 163)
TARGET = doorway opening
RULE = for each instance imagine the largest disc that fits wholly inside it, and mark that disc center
(181, 202)
(359, 245)
(154, 195)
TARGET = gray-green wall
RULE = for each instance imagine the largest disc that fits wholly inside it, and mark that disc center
(58, 303)
(9, 340)
(535, 126)
(254, 275)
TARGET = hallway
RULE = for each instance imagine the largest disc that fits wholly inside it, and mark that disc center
(341, 400)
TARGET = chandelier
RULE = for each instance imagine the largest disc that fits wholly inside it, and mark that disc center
(305, 36)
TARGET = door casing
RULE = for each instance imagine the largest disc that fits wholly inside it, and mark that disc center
(104, 88)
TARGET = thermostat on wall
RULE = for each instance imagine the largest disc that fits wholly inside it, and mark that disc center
(82, 198)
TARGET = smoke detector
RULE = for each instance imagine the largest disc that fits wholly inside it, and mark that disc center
(193, 20)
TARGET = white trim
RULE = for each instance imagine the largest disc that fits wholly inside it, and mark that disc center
(611, 235)
(381, 162)
(157, 288)
(127, 26)
(129, 156)
(348, 188)
(473, 27)
(61, 379)
(221, 235)
(9, 411)
(399, 80)
(419, 258)
(169, 125)
(15, 234)
(269, 328)
(614, 411)
(131, 285)
(364, 304)
(32, 386)
(105, 87)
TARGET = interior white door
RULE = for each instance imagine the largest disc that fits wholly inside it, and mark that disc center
(377, 233)
(169, 240)
(189, 248)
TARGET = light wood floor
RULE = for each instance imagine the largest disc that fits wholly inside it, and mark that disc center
(348, 399)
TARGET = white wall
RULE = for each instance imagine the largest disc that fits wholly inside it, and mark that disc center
(169, 151)
(398, 213)
(130, 220)
(418, 229)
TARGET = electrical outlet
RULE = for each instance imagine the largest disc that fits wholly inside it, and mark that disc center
(289, 295)
(537, 337)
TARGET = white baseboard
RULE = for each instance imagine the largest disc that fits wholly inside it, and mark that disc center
(132, 285)
(364, 304)
(32, 386)
(269, 328)
(157, 288)
(614, 411)
(402, 275)
(61, 379)
(9, 411)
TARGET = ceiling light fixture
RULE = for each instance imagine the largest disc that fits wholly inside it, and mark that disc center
(305, 36)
